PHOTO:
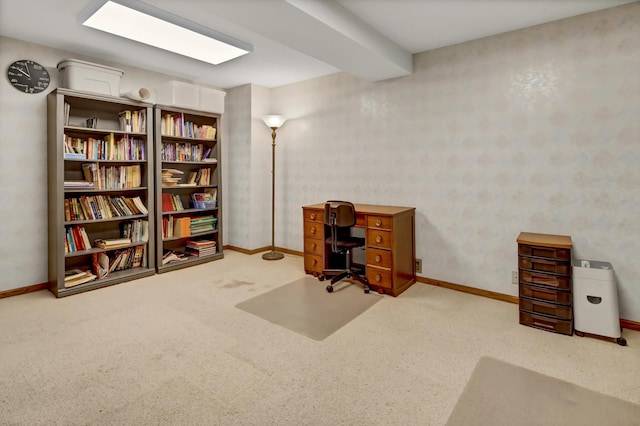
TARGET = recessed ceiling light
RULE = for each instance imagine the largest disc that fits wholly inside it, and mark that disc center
(149, 25)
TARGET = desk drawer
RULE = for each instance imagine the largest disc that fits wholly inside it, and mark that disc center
(546, 323)
(548, 252)
(544, 265)
(314, 246)
(382, 222)
(378, 238)
(545, 294)
(377, 257)
(313, 263)
(313, 230)
(315, 215)
(545, 308)
(554, 281)
(379, 276)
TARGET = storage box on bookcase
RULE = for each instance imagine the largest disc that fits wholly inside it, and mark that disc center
(89, 77)
(187, 95)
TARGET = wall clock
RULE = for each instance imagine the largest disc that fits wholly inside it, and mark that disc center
(28, 76)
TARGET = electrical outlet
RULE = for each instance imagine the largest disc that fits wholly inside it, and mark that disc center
(418, 266)
(514, 277)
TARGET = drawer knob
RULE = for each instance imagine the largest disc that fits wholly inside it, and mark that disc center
(313, 246)
(378, 238)
(378, 222)
(312, 216)
(378, 278)
(378, 258)
(313, 230)
(314, 262)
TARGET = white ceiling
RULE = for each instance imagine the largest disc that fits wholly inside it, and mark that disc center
(294, 40)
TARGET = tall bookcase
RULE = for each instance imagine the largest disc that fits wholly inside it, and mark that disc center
(188, 187)
(101, 198)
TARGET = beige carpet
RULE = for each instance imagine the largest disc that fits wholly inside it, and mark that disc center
(304, 306)
(499, 393)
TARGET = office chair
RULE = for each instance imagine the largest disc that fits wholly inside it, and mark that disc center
(341, 217)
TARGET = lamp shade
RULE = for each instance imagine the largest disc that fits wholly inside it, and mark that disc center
(274, 120)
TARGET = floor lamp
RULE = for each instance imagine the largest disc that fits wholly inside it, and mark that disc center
(273, 121)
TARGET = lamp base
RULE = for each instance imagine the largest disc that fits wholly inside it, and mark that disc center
(273, 255)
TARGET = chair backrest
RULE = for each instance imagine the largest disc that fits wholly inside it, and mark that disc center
(341, 214)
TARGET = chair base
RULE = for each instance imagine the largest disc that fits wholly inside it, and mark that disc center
(341, 274)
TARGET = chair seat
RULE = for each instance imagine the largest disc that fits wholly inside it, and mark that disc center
(348, 242)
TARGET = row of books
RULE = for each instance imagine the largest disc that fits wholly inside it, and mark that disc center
(171, 202)
(76, 239)
(176, 125)
(92, 207)
(113, 177)
(174, 151)
(133, 121)
(110, 148)
(187, 226)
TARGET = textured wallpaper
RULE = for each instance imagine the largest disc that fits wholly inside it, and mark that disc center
(535, 130)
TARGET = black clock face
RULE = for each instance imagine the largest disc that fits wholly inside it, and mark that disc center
(28, 76)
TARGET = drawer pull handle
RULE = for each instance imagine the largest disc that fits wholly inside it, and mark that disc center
(378, 258)
(314, 262)
(313, 246)
(378, 278)
(378, 239)
(543, 324)
(312, 216)
(378, 222)
(313, 230)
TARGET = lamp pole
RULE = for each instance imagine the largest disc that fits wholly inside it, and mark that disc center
(273, 121)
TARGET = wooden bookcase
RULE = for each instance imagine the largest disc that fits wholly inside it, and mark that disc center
(188, 187)
(112, 168)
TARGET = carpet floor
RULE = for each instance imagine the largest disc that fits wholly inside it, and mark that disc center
(173, 349)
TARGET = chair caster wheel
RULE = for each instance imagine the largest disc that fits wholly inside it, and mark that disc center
(321, 277)
(329, 289)
(366, 290)
(621, 341)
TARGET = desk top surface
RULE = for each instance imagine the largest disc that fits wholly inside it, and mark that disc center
(370, 208)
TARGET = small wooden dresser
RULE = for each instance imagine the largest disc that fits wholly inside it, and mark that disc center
(544, 271)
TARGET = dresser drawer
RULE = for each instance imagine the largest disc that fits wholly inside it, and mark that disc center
(554, 281)
(313, 263)
(314, 246)
(377, 257)
(546, 323)
(379, 276)
(544, 265)
(382, 222)
(378, 238)
(314, 215)
(545, 308)
(313, 230)
(545, 294)
(548, 252)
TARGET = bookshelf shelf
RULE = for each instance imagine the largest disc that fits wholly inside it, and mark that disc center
(119, 161)
(116, 277)
(184, 139)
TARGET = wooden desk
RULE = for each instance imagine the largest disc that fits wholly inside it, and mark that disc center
(390, 244)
